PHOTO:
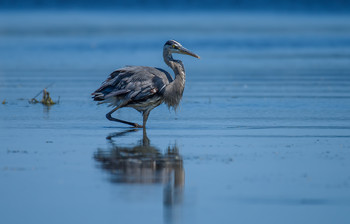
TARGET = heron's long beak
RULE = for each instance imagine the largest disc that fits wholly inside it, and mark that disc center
(183, 50)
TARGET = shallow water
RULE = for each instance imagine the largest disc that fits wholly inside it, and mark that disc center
(262, 134)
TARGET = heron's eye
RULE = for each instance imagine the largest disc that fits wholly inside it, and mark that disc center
(174, 46)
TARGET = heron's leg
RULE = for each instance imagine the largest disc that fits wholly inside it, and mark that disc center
(145, 118)
(145, 139)
(109, 117)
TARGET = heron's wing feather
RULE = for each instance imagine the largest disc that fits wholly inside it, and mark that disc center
(112, 79)
(168, 76)
(145, 82)
(134, 83)
(116, 93)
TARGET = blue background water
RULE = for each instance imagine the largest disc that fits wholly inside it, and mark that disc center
(246, 5)
(262, 135)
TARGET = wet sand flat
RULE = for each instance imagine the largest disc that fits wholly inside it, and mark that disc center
(262, 134)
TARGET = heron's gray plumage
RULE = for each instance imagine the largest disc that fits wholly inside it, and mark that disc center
(145, 88)
(132, 82)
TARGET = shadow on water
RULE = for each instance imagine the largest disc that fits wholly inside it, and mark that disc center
(145, 164)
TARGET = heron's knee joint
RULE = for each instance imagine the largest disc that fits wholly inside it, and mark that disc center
(108, 116)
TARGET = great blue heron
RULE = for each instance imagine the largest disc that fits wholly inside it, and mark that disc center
(144, 88)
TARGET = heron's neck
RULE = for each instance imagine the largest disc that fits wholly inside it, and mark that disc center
(174, 90)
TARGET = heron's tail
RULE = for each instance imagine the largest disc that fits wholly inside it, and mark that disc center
(98, 96)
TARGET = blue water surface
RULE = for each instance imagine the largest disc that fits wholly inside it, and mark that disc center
(261, 136)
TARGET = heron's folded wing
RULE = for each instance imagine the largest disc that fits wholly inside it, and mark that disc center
(117, 93)
(135, 82)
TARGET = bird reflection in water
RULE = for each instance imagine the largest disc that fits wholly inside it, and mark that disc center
(145, 164)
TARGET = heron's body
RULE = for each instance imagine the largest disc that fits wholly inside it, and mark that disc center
(144, 88)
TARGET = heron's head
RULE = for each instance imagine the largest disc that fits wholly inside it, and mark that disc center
(173, 46)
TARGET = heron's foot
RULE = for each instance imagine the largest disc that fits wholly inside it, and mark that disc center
(137, 125)
(109, 117)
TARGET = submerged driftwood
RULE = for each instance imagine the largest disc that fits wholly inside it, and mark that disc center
(46, 100)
